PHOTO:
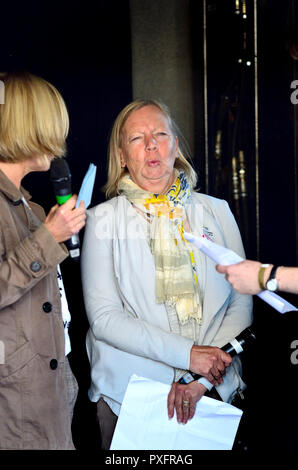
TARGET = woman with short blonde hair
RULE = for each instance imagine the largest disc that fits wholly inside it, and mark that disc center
(34, 119)
(37, 387)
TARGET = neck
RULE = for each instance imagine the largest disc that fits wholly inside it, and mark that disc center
(156, 187)
(14, 171)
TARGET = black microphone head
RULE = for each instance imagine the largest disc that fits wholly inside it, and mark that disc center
(247, 335)
(59, 169)
(60, 177)
(245, 339)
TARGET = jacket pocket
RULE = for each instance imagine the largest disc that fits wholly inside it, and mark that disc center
(12, 406)
(16, 361)
(33, 403)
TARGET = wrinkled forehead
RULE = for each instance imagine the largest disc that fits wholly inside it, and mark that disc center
(147, 116)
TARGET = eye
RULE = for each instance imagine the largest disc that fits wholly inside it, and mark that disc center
(135, 138)
(161, 134)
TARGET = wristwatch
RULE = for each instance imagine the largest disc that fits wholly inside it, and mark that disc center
(272, 283)
(261, 275)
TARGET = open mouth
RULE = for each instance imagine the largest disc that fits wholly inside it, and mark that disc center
(153, 163)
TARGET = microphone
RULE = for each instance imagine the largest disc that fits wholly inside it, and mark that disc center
(234, 347)
(60, 177)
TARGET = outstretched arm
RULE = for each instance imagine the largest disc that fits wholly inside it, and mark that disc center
(244, 277)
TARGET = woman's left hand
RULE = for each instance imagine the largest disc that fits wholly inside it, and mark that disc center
(184, 398)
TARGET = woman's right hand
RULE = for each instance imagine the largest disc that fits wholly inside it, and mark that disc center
(210, 362)
(183, 399)
(66, 220)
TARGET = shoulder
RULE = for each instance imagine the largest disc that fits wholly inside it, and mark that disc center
(215, 209)
(211, 203)
(105, 217)
(111, 204)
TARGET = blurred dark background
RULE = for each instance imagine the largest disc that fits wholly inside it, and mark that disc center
(225, 69)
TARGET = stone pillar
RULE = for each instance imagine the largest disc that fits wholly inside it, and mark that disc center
(161, 58)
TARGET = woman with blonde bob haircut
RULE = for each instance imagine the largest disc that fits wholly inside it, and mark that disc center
(37, 387)
(156, 305)
(34, 119)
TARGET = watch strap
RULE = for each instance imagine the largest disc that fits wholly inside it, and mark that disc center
(261, 275)
(272, 273)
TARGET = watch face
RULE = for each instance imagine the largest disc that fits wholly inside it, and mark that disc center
(272, 285)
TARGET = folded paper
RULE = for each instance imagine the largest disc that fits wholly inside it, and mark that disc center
(86, 190)
(222, 255)
(143, 423)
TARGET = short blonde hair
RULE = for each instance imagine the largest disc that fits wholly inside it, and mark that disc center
(115, 171)
(33, 119)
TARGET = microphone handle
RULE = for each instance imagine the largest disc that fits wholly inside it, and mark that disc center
(73, 246)
(73, 243)
(61, 199)
(233, 348)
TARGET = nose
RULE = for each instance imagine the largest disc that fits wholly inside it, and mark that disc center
(151, 143)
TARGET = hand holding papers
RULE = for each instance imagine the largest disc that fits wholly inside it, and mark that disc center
(224, 256)
(143, 422)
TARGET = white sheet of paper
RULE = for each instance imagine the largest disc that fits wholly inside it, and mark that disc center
(86, 190)
(224, 256)
(143, 423)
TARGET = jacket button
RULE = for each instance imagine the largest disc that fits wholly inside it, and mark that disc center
(53, 364)
(35, 266)
(47, 307)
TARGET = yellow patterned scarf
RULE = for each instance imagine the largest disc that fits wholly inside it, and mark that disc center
(176, 277)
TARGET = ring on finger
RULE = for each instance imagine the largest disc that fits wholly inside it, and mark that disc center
(185, 402)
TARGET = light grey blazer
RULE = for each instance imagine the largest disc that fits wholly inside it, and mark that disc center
(129, 332)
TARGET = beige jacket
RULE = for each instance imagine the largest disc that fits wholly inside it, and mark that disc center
(33, 397)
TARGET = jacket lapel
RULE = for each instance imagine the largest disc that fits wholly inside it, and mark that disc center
(217, 289)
